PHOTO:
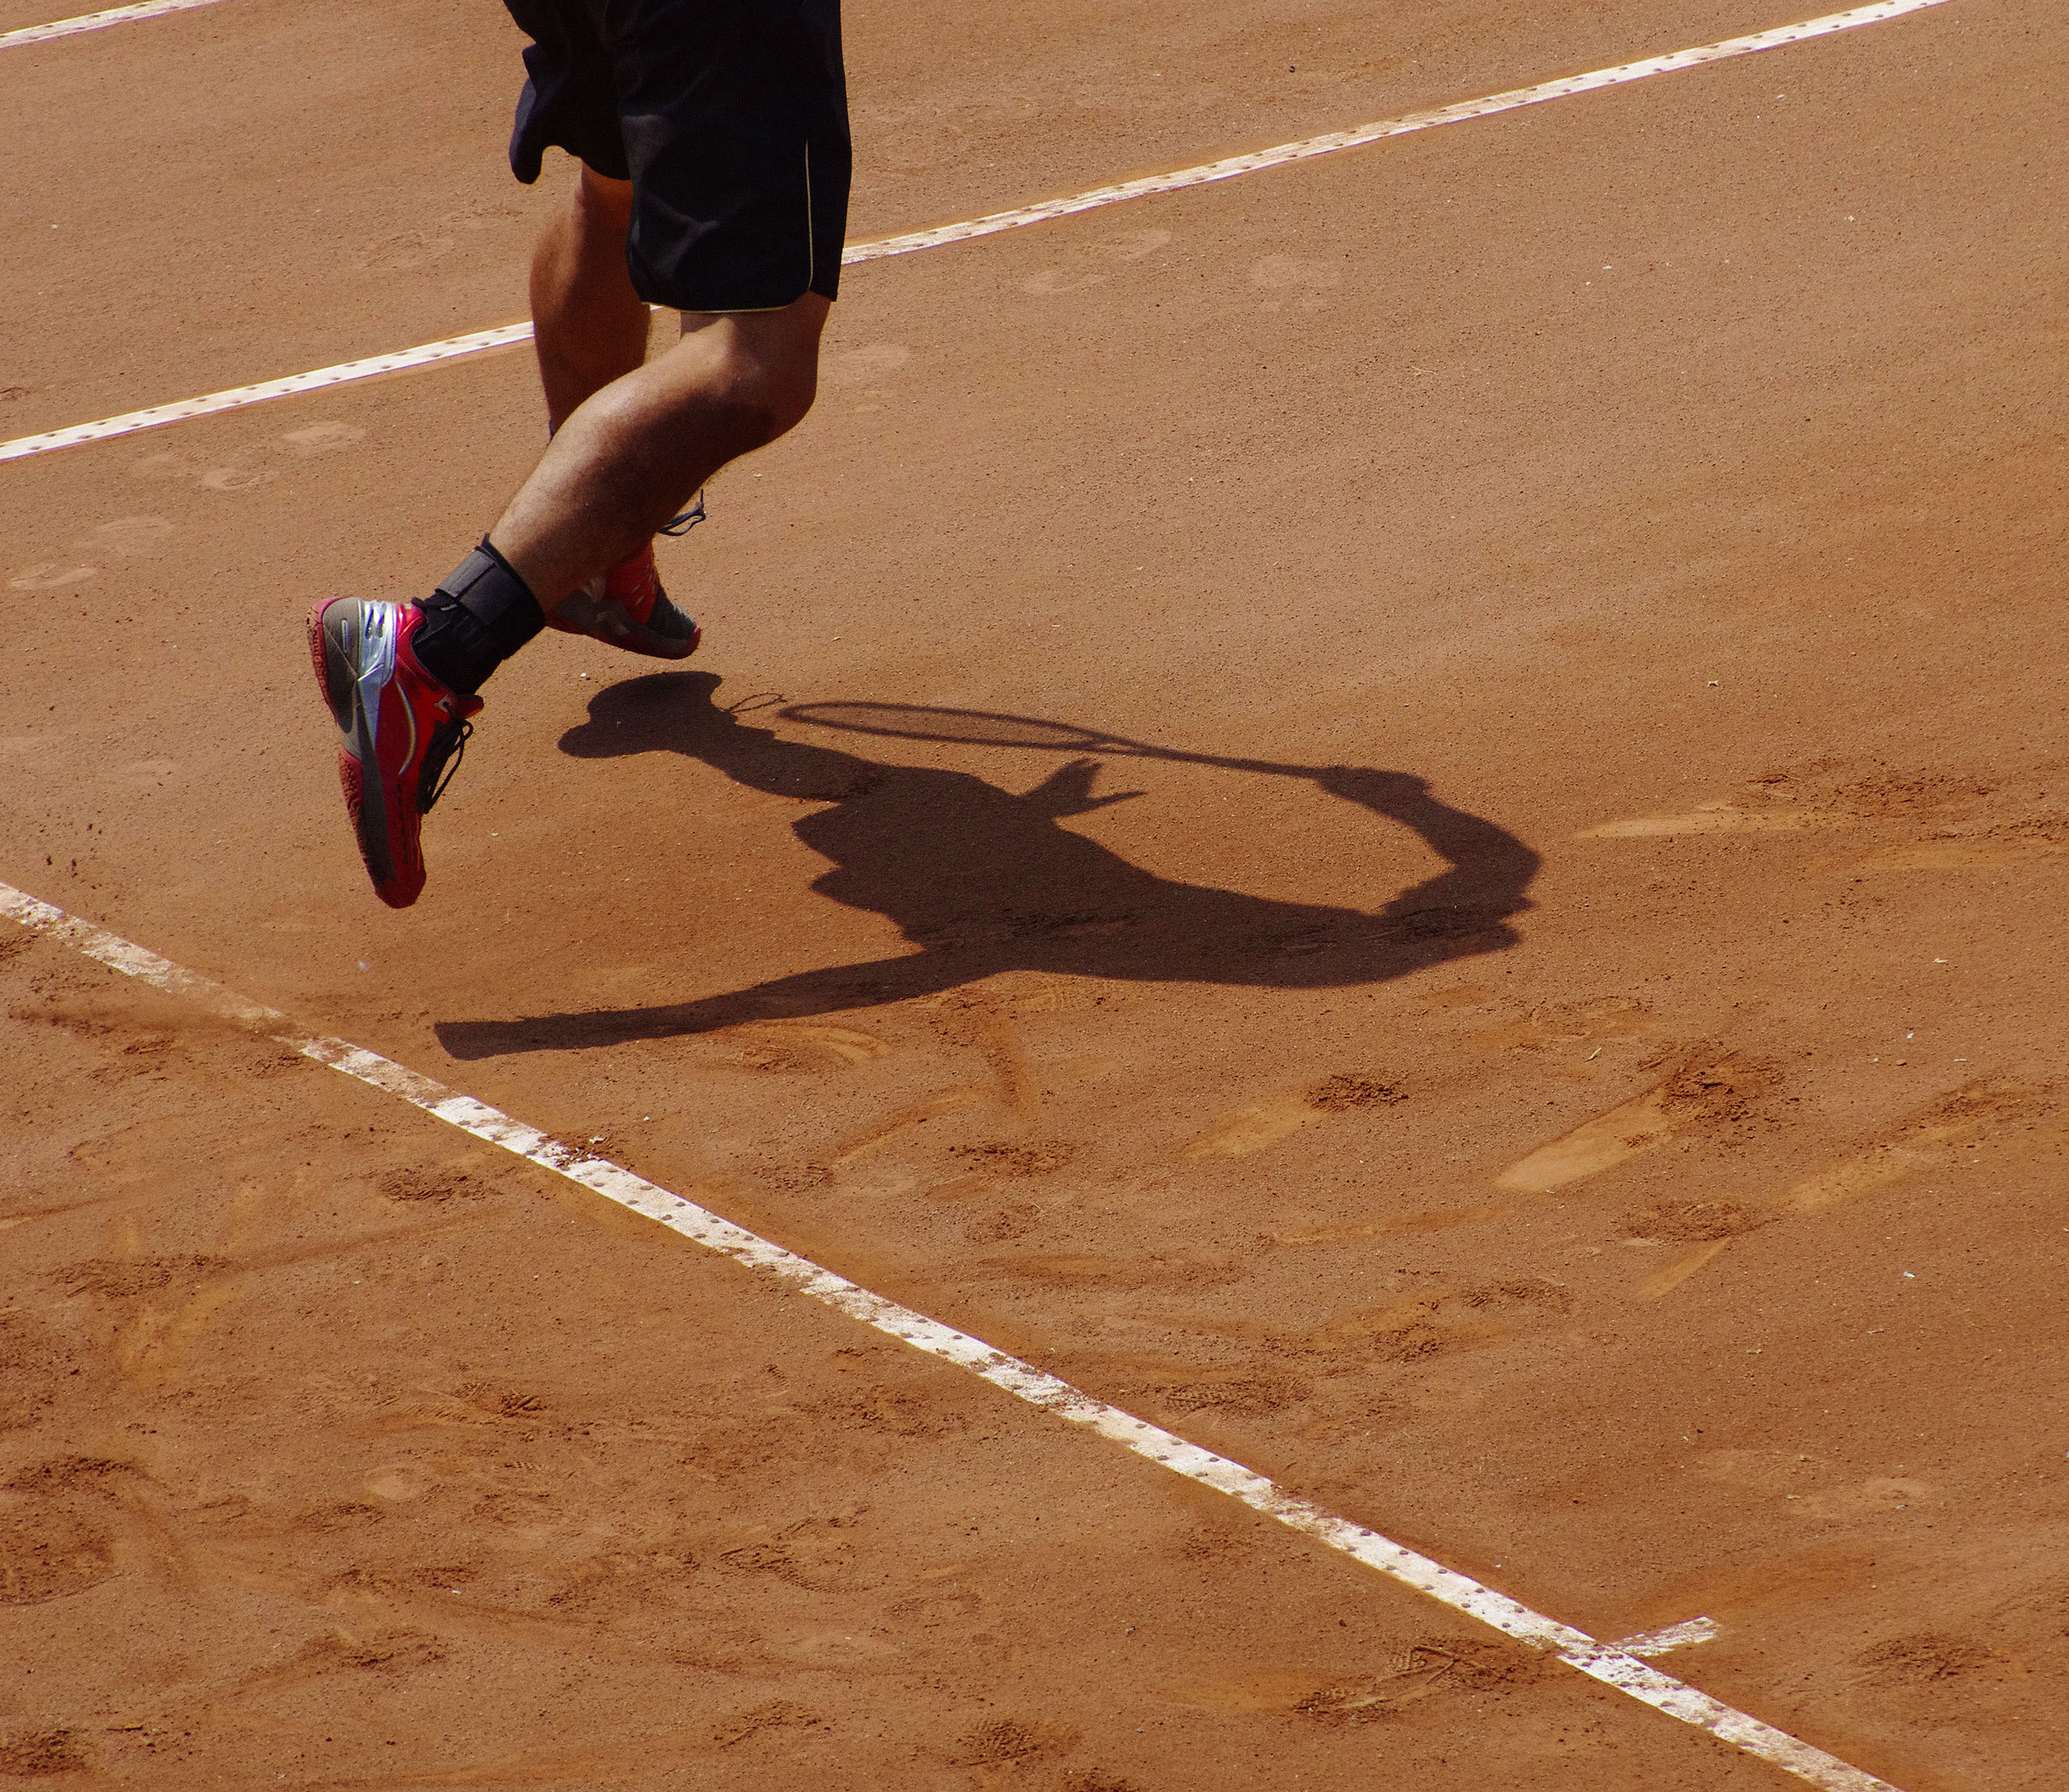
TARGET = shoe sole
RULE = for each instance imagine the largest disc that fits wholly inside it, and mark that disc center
(602, 620)
(338, 642)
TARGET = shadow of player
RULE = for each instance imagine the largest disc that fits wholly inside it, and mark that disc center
(982, 880)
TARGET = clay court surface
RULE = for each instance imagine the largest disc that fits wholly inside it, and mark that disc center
(1586, 1101)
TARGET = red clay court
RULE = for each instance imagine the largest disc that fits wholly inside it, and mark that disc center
(1358, 893)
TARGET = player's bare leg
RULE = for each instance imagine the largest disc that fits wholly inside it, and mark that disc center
(628, 457)
(588, 325)
(631, 440)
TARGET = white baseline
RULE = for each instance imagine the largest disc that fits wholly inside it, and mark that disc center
(1608, 1662)
(1206, 173)
(95, 21)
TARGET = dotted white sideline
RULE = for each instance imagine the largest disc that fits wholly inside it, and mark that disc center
(995, 221)
(344, 371)
(1360, 135)
(96, 21)
(1608, 1663)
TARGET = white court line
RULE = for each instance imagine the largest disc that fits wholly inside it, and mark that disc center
(403, 358)
(1608, 1663)
(95, 21)
(1683, 1635)
(995, 221)
(1228, 168)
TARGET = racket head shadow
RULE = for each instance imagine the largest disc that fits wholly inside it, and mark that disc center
(964, 727)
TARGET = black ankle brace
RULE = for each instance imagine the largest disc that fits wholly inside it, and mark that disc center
(481, 614)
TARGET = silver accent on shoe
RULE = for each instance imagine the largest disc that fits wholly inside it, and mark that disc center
(361, 636)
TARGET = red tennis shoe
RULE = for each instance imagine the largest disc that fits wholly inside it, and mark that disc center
(402, 728)
(626, 608)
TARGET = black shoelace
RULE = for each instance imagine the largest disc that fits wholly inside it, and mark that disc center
(684, 521)
(449, 742)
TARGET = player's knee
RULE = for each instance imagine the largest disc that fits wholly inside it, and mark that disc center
(788, 398)
(767, 395)
(743, 418)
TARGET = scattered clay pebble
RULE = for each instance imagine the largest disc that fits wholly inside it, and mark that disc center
(1017, 1160)
(48, 1551)
(1346, 1090)
(31, 1754)
(430, 1185)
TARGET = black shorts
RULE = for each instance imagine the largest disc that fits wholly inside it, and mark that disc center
(729, 117)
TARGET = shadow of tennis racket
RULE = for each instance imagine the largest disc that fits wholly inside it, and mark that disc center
(984, 728)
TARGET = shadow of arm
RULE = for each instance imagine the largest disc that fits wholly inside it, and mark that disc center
(1490, 870)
